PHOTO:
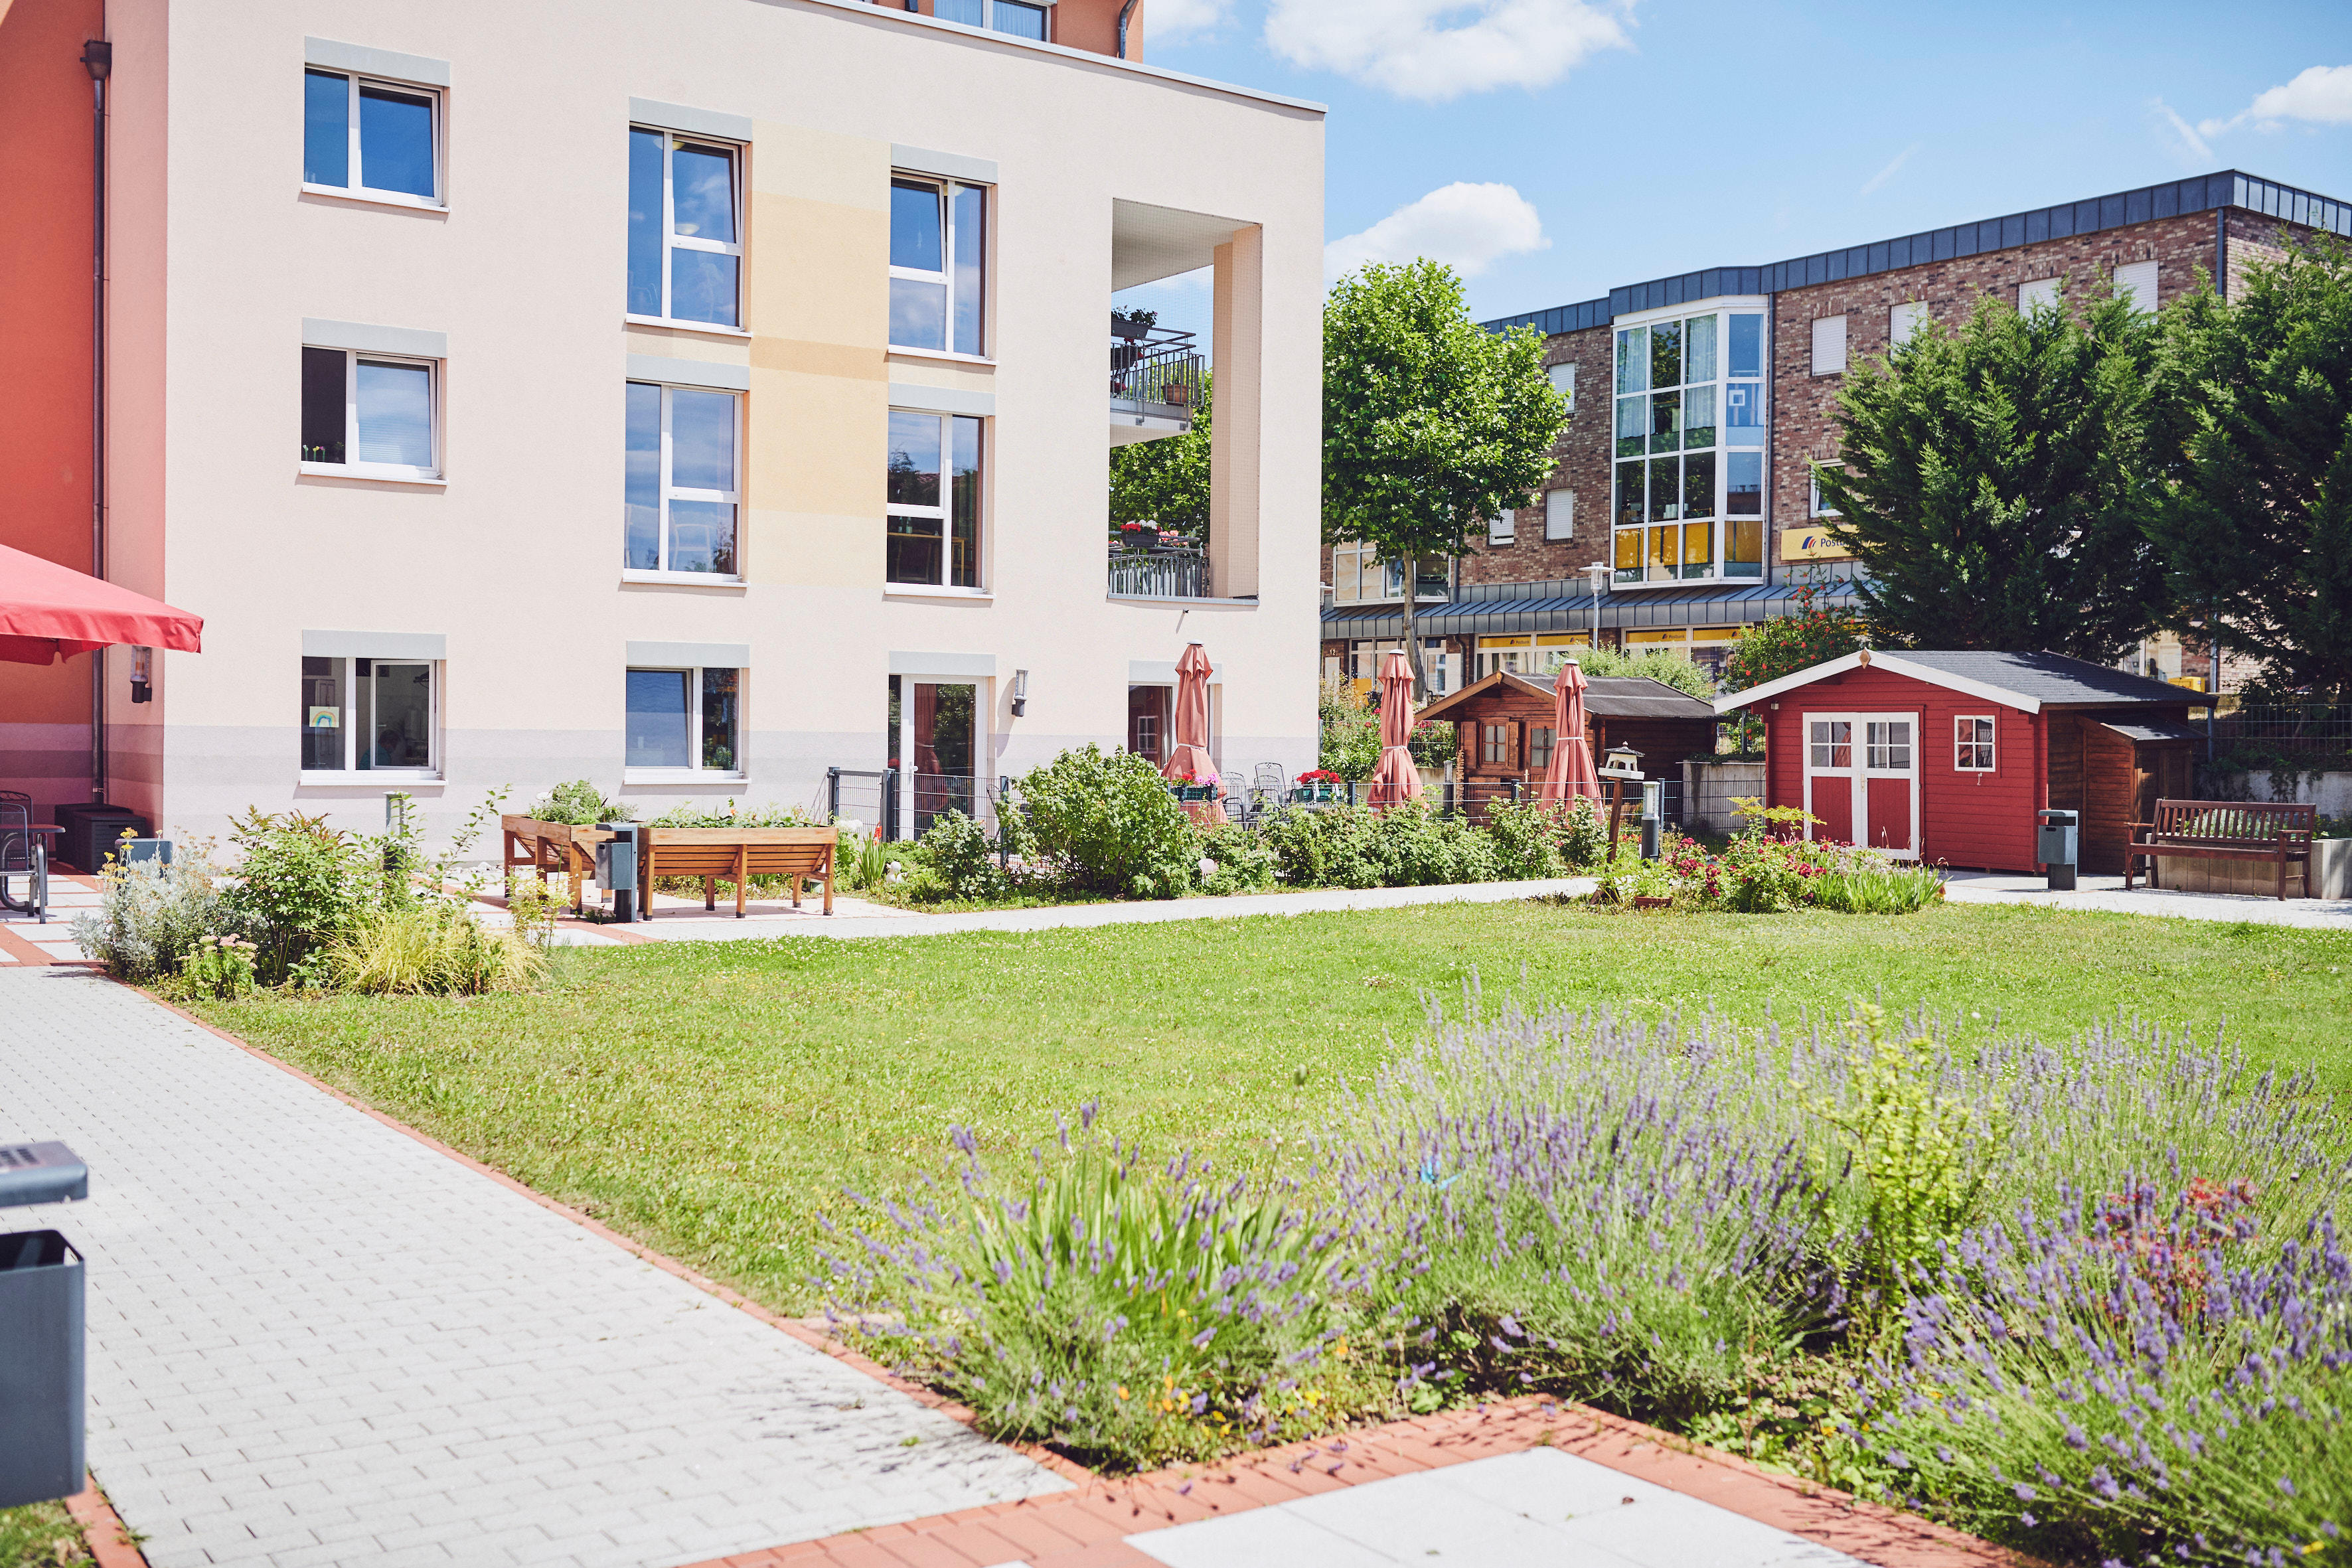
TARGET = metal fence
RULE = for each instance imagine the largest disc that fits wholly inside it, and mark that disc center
(2292, 726)
(881, 798)
(1163, 572)
(1164, 375)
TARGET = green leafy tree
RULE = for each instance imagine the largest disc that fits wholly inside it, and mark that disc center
(1166, 481)
(1784, 645)
(1999, 483)
(2257, 529)
(1432, 427)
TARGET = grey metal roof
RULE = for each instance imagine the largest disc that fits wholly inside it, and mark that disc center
(2155, 732)
(1501, 609)
(2203, 193)
(1605, 696)
(2047, 678)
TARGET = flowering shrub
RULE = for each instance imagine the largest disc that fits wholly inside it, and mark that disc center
(1320, 776)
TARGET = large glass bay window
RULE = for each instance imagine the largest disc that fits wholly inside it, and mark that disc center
(1689, 449)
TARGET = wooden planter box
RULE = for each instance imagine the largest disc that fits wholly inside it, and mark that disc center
(2331, 873)
(549, 847)
(738, 854)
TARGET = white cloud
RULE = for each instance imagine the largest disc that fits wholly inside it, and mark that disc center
(2320, 96)
(2199, 155)
(1468, 226)
(1887, 174)
(1437, 49)
(1173, 18)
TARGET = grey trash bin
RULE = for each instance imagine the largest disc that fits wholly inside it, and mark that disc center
(2056, 841)
(41, 1375)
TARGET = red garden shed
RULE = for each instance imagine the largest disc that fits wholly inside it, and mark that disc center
(1948, 756)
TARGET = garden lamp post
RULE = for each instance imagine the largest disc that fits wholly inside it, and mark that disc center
(1624, 767)
(1597, 575)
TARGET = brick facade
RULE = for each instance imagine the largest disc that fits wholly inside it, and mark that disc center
(1582, 453)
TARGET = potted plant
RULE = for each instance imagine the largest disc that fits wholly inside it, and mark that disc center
(1319, 784)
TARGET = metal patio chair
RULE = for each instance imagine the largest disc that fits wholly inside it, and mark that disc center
(24, 851)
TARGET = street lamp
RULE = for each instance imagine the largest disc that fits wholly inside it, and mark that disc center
(1597, 575)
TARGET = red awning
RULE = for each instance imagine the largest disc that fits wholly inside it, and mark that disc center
(49, 612)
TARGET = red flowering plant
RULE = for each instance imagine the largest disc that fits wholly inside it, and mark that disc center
(1319, 776)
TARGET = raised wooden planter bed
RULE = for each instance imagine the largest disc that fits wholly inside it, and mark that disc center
(739, 853)
(549, 847)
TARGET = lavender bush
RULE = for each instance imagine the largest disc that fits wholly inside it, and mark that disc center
(1131, 1314)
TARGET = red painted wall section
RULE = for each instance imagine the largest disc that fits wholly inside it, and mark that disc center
(45, 289)
(1970, 819)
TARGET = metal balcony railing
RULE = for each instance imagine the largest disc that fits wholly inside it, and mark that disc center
(1163, 572)
(1154, 371)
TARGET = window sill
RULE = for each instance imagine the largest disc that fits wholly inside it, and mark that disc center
(370, 778)
(373, 475)
(682, 580)
(916, 591)
(367, 198)
(680, 777)
(713, 328)
(981, 361)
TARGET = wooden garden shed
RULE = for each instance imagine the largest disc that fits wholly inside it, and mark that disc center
(1950, 756)
(1505, 724)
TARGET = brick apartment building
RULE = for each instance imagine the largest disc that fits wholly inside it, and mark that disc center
(1683, 505)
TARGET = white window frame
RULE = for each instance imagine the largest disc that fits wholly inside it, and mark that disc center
(988, 19)
(1829, 345)
(1378, 582)
(349, 469)
(697, 773)
(947, 188)
(1560, 515)
(1725, 310)
(666, 492)
(1906, 320)
(347, 685)
(1563, 381)
(1365, 659)
(1965, 743)
(671, 142)
(1813, 479)
(359, 189)
(945, 513)
(1855, 776)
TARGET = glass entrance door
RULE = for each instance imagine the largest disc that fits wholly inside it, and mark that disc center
(933, 746)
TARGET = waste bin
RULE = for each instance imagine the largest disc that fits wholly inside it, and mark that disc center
(91, 828)
(41, 1315)
(2055, 844)
(616, 867)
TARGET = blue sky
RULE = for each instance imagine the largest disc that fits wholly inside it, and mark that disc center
(1556, 148)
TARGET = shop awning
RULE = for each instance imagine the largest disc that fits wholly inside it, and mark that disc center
(49, 612)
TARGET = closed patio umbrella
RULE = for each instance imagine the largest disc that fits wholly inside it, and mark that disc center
(49, 612)
(1571, 772)
(1396, 780)
(1188, 759)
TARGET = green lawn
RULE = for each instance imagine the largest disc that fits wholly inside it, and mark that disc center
(714, 1098)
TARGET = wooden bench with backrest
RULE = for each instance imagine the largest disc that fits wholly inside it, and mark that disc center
(739, 853)
(2226, 830)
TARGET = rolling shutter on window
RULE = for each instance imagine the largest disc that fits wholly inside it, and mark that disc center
(1502, 529)
(1560, 514)
(1829, 345)
(2040, 291)
(1905, 319)
(2136, 281)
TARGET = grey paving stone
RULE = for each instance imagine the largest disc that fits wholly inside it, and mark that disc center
(311, 1335)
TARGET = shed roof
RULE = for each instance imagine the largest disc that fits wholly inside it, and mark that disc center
(2027, 682)
(1605, 696)
(2152, 731)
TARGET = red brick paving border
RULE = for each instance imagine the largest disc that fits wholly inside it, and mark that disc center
(108, 1541)
(1086, 1527)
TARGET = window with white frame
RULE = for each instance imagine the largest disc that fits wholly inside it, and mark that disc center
(685, 228)
(1560, 514)
(939, 234)
(376, 716)
(2136, 281)
(1359, 575)
(1886, 745)
(1818, 509)
(1563, 381)
(376, 139)
(1688, 456)
(680, 498)
(1364, 661)
(683, 721)
(1904, 319)
(1829, 345)
(369, 415)
(1013, 16)
(2040, 294)
(1972, 743)
(933, 494)
(1503, 527)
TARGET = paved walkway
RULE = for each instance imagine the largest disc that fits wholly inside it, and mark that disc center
(2106, 893)
(315, 1340)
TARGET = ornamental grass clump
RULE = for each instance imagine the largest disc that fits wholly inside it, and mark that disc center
(1130, 1313)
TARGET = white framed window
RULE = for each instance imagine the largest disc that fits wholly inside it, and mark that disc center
(1886, 745)
(370, 416)
(1563, 381)
(1829, 345)
(1359, 575)
(1688, 454)
(1016, 17)
(1560, 514)
(1364, 659)
(2136, 281)
(377, 717)
(684, 723)
(938, 265)
(685, 228)
(933, 493)
(2041, 292)
(1904, 319)
(1972, 743)
(680, 497)
(361, 137)
(1818, 509)
(1503, 527)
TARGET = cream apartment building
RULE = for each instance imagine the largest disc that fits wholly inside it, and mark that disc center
(694, 397)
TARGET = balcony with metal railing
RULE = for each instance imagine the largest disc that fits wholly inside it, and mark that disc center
(1145, 566)
(1157, 378)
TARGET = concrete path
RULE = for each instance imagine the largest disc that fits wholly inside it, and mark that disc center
(1540, 1509)
(314, 1339)
(2106, 893)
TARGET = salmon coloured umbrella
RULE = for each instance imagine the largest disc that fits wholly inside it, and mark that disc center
(1188, 760)
(49, 612)
(1571, 772)
(1396, 780)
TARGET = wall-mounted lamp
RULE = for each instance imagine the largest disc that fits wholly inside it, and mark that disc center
(1020, 692)
(143, 674)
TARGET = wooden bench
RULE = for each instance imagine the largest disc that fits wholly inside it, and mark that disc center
(2226, 830)
(739, 853)
(549, 847)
